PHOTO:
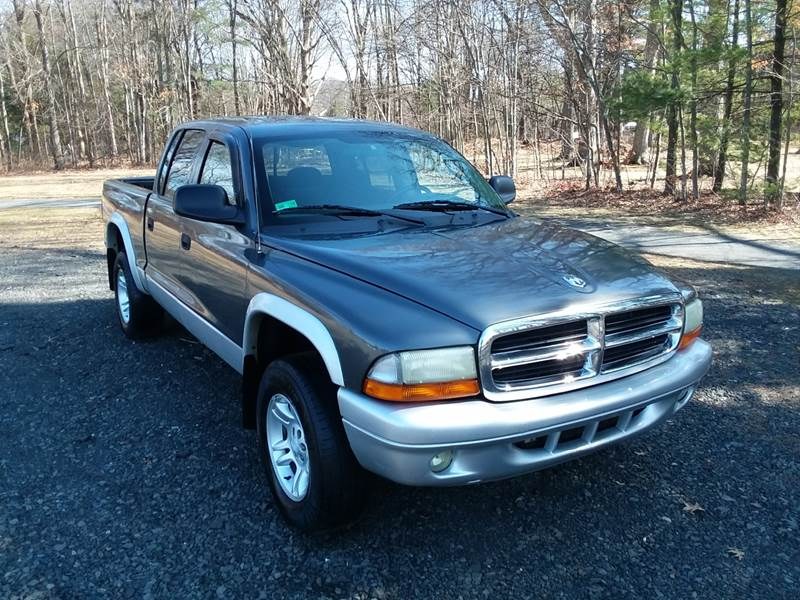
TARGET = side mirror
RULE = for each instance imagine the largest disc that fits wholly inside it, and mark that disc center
(504, 186)
(205, 202)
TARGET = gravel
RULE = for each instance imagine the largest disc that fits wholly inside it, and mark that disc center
(124, 472)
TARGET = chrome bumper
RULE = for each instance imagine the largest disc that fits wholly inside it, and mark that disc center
(494, 440)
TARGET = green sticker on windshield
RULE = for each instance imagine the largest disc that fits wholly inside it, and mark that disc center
(285, 204)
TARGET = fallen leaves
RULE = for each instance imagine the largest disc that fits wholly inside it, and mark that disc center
(736, 553)
(643, 201)
(692, 507)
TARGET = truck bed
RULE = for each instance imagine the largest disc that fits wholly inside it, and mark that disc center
(128, 198)
(142, 182)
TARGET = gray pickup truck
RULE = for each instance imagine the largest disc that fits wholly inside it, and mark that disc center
(389, 313)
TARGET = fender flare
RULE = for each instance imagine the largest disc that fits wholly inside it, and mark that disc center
(119, 221)
(298, 319)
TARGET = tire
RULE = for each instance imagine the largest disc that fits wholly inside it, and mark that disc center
(142, 316)
(299, 387)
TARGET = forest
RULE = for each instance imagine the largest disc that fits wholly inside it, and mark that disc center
(698, 93)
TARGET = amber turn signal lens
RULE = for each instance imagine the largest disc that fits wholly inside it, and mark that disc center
(421, 392)
(689, 337)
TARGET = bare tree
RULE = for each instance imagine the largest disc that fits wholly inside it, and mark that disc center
(52, 117)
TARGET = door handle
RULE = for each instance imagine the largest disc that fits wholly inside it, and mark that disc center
(150, 223)
(186, 241)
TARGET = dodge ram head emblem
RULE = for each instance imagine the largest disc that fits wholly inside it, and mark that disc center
(574, 281)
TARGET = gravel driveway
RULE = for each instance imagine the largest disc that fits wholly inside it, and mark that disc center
(124, 472)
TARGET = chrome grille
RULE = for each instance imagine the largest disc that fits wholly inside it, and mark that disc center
(537, 338)
(558, 368)
(558, 352)
(635, 336)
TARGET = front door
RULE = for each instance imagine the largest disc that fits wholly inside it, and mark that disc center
(214, 272)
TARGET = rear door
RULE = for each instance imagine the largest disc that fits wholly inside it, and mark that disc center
(163, 241)
(214, 266)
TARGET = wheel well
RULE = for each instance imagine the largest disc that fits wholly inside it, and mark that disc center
(276, 339)
(114, 245)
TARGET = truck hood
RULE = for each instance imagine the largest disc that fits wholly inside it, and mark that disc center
(484, 274)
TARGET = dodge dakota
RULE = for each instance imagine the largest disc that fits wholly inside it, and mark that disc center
(388, 311)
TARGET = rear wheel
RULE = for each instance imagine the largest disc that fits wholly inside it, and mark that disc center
(314, 477)
(139, 315)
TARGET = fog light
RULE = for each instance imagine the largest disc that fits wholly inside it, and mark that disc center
(441, 461)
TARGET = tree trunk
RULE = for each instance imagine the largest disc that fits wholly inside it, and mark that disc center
(234, 67)
(788, 126)
(693, 110)
(676, 9)
(6, 132)
(52, 118)
(776, 104)
(87, 145)
(307, 12)
(682, 137)
(655, 161)
(748, 88)
(102, 38)
(722, 155)
(641, 137)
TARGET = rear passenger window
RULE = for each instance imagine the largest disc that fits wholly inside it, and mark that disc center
(162, 170)
(217, 169)
(181, 168)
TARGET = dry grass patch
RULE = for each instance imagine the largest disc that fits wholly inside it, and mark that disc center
(64, 184)
(52, 228)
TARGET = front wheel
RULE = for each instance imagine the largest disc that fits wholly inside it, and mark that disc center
(314, 477)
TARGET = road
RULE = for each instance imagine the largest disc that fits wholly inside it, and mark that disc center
(124, 473)
(49, 203)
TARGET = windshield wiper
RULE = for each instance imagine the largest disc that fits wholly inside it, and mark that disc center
(342, 209)
(445, 205)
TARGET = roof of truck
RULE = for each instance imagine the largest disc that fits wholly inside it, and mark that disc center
(256, 125)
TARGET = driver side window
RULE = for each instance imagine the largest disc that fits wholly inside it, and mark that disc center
(441, 174)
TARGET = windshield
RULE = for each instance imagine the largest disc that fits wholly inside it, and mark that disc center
(374, 170)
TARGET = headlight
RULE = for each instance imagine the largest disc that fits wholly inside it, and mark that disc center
(424, 375)
(692, 323)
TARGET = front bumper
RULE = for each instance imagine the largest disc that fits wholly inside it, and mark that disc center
(494, 440)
